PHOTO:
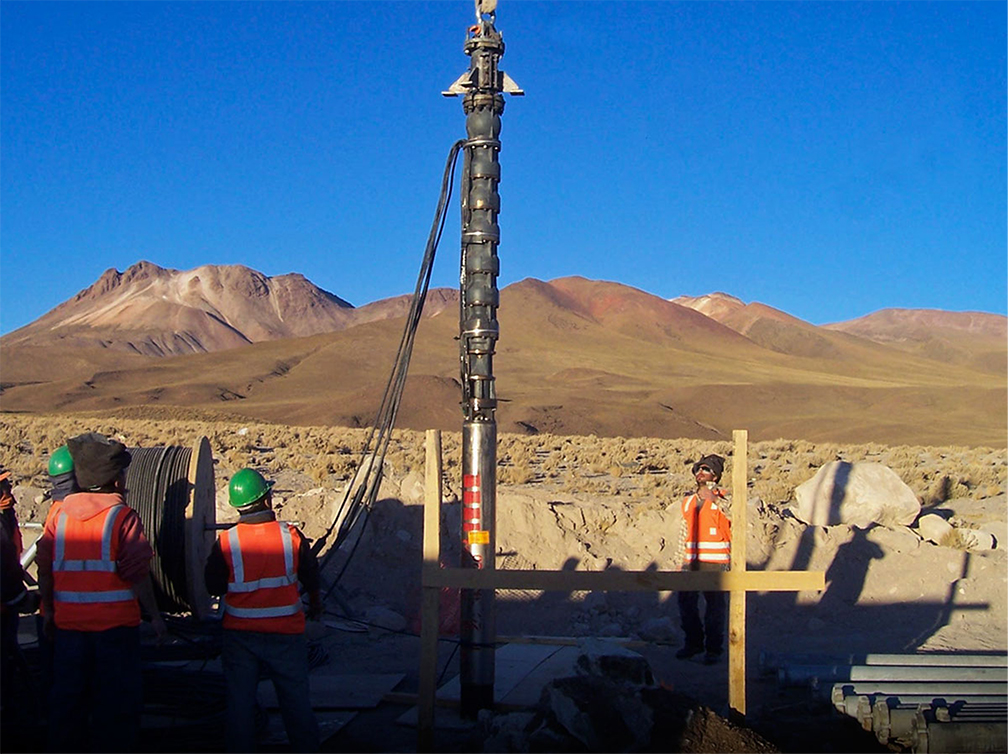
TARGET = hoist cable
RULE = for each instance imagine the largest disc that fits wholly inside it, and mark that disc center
(354, 508)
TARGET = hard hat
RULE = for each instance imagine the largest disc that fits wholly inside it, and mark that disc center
(247, 486)
(60, 462)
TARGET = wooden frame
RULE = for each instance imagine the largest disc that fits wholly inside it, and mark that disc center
(736, 582)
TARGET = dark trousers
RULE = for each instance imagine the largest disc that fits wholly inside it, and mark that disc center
(96, 697)
(284, 658)
(12, 683)
(712, 627)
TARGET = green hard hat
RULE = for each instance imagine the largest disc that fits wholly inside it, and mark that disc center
(60, 462)
(247, 486)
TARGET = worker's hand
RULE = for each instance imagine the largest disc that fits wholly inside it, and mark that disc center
(706, 494)
(160, 629)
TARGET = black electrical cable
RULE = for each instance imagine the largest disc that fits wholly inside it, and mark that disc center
(355, 509)
(158, 490)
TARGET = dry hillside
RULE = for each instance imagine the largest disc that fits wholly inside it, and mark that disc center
(575, 357)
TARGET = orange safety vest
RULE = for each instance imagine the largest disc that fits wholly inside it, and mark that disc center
(262, 590)
(708, 531)
(88, 594)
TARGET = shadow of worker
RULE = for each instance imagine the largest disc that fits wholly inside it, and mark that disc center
(846, 575)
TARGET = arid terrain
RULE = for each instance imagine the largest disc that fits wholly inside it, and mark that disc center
(595, 503)
(575, 357)
(608, 394)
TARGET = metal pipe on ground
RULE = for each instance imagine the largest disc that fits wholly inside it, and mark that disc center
(947, 690)
(848, 705)
(770, 662)
(799, 675)
(898, 722)
(961, 737)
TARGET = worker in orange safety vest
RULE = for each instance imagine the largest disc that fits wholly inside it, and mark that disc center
(94, 575)
(706, 542)
(257, 565)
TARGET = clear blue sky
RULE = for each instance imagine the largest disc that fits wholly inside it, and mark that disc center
(827, 159)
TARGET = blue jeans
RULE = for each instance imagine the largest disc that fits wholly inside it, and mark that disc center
(284, 657)
(96, 676)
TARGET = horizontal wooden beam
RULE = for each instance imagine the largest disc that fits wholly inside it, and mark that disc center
(626, 581)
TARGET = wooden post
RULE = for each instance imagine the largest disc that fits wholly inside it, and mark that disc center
(429, 619)
(737, 598)
(737, 581)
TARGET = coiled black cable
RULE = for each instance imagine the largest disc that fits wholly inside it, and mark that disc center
(157, 481)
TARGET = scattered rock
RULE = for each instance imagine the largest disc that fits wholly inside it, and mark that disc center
(411, 489)
(658, 629)
(602, 714)
(505, 732)
(999, 529)
(609, 660)
(900, 539)
(933, 528)
(976, 539)
(859, 494)
(815, 624)
(596, 602)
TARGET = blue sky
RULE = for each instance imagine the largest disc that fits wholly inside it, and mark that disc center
(828, 159)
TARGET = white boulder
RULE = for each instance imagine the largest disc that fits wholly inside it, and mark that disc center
(999, 529)
(933, 528)
(859, 494)
(976, 539)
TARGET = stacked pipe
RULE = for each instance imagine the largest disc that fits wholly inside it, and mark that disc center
(930, 702)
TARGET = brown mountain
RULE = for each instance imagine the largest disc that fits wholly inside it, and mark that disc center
(575, 357)
(156, 311)
(976, 339)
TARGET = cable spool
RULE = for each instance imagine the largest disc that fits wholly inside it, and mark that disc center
(172, 489)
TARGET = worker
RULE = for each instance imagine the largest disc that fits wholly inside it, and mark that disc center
(62, 482)
(256, 565)
(15, 599)
(61, 474)
(706, 538)
(94, 575)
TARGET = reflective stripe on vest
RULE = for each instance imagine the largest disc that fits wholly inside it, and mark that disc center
(103, 565)
(106, 564)
(241, 585)
(263, 612)
(703, 541)
(279, 593)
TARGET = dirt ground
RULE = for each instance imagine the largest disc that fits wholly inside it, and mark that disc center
(887, 590)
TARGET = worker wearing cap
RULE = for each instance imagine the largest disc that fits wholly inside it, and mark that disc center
(15, 599)
(94, 575)
(257, 565)
(706, 538)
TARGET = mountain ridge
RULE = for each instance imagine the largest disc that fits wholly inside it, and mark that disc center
(575, 356)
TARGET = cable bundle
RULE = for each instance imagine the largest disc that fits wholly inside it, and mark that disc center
(158, 483)
(354, 509)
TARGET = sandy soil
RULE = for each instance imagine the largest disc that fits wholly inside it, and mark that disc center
(887, 590)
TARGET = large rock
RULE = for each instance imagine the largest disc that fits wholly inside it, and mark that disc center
(601, 714)
(999, 530)
(607, 659)
(977, 539)
(859, 494)
(933, 528)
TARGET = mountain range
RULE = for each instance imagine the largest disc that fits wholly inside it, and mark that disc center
(576, 356)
